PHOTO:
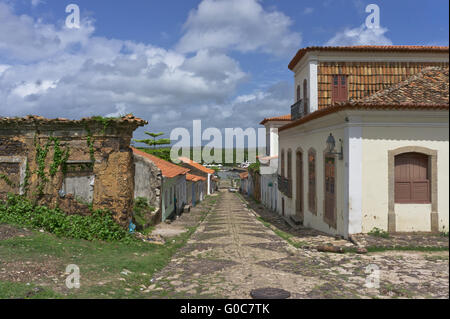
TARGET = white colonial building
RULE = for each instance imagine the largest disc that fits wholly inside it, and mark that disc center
(269, 163)
(368, 142)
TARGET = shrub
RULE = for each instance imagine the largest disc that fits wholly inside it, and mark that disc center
(377, 232)
(100, 225)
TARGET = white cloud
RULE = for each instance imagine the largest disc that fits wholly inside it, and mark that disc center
(35, 3)
(360, 36)
(242, 25)
(23, 39)
(308, 10)
(77, 74)
(83, 75)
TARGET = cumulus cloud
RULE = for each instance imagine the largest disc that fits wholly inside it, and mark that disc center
(242, 25)
(360, 36)
(35, 3)
(55, 72)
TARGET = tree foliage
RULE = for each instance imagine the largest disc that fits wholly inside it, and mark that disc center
(154, 141)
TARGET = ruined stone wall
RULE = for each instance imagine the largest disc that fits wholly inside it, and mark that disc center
(147, 181)
(52, 162)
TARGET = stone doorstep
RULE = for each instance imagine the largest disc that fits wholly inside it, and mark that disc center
(291, 223)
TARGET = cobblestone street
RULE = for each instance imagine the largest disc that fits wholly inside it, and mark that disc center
(232, 252)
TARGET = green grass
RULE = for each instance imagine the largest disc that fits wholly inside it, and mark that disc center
(377, 232)
(282, 234)
(99, 262)
(9, 290)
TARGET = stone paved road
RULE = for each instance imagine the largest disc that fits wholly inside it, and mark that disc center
(232, 252)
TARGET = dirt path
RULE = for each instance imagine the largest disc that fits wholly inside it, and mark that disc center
(232, 253)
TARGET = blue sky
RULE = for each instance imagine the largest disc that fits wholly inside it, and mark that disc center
(172, 61)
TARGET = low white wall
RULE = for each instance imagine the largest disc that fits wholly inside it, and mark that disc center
(378, 141)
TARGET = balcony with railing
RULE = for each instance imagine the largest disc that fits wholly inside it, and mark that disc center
(298, 109)
(285, 186)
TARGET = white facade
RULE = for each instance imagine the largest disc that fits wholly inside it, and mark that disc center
(363, 191)
(269, 166)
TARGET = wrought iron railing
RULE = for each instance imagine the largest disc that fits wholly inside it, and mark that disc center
(298, 109)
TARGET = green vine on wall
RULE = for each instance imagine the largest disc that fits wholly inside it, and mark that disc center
(41, 156)
(105, 121)
(60, 158)
(26, 181)
(90, 144)
(8, 182)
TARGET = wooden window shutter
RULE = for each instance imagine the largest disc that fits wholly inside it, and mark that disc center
(339, 88)
(412, 183)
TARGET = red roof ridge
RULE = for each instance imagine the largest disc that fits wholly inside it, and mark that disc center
(168, 169)
(286, 117)
(361, 48)
(196, 165)
(194, 178)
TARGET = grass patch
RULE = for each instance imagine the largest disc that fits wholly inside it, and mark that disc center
(377, 232)
(405, 248)
(280, 233)
(13, 290)
(101, 264)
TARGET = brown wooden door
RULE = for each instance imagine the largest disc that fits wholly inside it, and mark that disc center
(299, 186)
(330, 191)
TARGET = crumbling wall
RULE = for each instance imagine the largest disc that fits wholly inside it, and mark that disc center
(147, 181)
(52, 162)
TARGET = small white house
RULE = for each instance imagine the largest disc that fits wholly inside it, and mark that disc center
(170, 187)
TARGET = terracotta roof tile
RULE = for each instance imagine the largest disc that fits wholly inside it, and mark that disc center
(196, 165)
(194, 178)
(368, 48)
(430, 86)
(277, 118)
(243, 175)
(168, 169)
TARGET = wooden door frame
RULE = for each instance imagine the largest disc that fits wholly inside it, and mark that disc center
(332, 223)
